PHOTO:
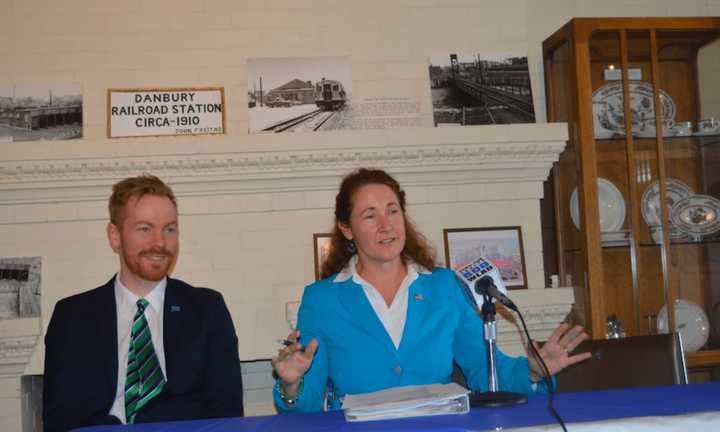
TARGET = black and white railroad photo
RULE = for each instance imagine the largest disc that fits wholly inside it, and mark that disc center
(315, 94)
(298, 94)
(478, 89)
(40, 112)
(19, 287)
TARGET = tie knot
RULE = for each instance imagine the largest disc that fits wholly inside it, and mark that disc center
(142, 304)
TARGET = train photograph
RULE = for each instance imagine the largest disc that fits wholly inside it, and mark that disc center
(480, 89)
(303, 94)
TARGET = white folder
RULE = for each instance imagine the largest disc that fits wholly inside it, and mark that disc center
(408, 401)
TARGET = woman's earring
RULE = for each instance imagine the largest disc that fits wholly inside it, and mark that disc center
(350, 246)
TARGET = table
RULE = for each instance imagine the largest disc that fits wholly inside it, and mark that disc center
(573, 407)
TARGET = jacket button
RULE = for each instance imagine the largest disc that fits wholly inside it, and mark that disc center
(398, 370)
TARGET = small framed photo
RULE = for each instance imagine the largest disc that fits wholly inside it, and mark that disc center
(501, 245)
(321, 245)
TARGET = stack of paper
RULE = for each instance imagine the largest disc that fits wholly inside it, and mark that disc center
(410, 401)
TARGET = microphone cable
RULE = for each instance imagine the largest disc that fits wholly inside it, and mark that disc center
(547, 378)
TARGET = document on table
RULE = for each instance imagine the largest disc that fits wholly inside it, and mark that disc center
(409, 401)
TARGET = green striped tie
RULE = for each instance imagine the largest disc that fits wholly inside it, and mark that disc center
(145, 378)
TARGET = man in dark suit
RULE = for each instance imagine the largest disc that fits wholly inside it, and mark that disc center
(143, 347)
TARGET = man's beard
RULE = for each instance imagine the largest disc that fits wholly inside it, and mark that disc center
(148, 270)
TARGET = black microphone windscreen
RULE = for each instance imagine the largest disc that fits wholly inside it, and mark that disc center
(483, 285)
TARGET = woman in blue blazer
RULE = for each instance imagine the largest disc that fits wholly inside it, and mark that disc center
(385, 316)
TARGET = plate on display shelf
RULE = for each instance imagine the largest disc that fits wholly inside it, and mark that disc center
(696, 215)
(690, 321)
(610, 203)
(609, 112)
(650, 203)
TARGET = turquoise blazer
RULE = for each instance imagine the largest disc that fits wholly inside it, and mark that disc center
(356, 355)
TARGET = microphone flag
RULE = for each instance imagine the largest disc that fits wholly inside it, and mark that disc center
(471, 272)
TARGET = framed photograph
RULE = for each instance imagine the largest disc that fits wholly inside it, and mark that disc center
(476, 88)
(20, 295)
(40, 112)
(299, 94)
(501, 245)
(321, 245)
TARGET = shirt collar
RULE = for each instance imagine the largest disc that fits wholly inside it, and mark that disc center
(127, 298)
(350, 271)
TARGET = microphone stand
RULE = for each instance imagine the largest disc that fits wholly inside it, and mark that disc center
(493, 397)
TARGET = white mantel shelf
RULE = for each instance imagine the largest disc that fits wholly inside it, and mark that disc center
(53, 171)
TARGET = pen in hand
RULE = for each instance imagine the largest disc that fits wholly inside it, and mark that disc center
(288, 342)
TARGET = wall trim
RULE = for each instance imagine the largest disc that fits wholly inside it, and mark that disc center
(483, 154)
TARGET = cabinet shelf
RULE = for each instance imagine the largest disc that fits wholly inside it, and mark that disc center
(703, 359)
(650, 244)
(621, 138)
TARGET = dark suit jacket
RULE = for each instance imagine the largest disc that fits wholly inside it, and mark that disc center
(81, 356)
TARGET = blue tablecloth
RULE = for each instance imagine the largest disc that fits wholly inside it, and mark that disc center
(573, 407)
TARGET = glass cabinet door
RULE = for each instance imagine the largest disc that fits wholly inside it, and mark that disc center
(614, 147)
(691, 161)
(626, 136)
(571, 258)
(706, 133)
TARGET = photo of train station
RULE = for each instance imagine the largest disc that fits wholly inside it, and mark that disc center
(301, 94)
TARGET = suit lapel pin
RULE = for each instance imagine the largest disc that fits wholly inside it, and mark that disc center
(174, 308)
(419, 297)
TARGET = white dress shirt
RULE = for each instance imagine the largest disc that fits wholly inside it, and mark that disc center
(392, 317)
(126, 306)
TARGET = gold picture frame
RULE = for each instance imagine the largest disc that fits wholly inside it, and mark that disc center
(321, 247)
(503, 246)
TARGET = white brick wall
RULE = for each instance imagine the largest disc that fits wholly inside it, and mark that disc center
(227, 240)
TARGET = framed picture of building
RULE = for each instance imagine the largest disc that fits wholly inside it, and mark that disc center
(321, 246)
(503, 246)
(20, 295)
(298, 94)
(41, 112)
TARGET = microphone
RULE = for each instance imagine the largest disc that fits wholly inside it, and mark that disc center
(488, 286)
(485, 286)
(481, 274)
(480, 269)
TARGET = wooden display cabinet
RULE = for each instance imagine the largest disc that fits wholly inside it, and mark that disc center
(626, 254)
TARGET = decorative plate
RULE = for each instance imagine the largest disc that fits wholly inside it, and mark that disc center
(609, 112)
(650, 203)
(696, 215)
(610, 203)
(691, 322)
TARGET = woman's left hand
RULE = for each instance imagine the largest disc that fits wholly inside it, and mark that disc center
(556, 351)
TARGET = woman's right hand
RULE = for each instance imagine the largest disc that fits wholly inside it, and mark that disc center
(293, 361)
